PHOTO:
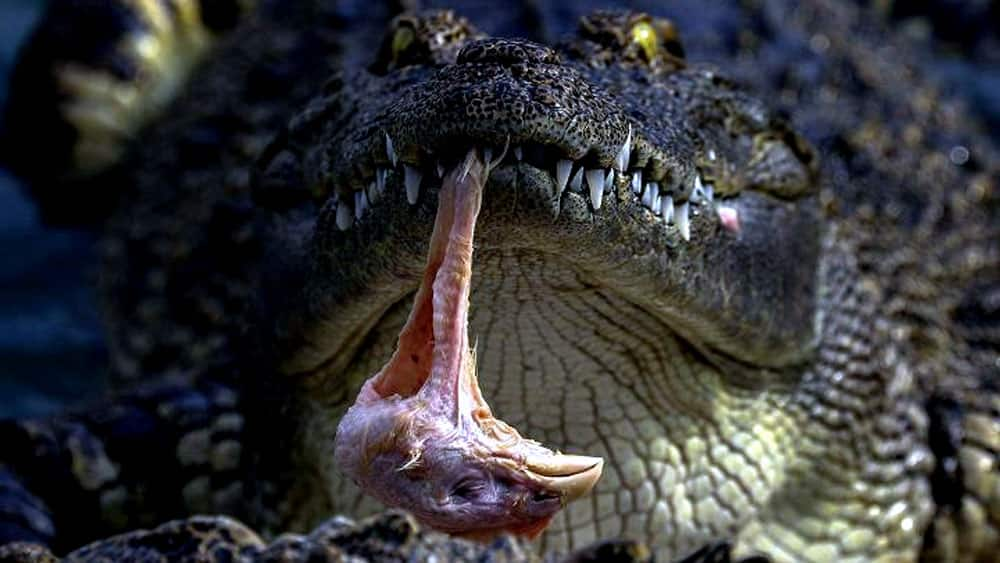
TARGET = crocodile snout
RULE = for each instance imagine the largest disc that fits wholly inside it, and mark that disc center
(506, 51)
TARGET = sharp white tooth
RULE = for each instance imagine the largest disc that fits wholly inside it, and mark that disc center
(656, 205)
(683, 220)
(440, 169)
(621, 162)
(466, 168)
(412, 180)
(364, 204)
(647, 195)
(563, 169)
(359, 206)
(389, 151)
(343, 216)
(372, 193)
(518, 153)
(711, 154)
(380, 175)
(637, 182)
(576, 182)
(709, 193)
(698, 193)
(595, 181)
(667, 208)
(609, 180)
(654, 195)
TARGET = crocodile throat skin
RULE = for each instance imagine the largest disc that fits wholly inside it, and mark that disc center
(748, 271)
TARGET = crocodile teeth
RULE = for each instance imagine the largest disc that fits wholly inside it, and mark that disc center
(563, 169)
(343, 216)
(702, 193)
(373, 194)
(637, 182)
(518, 153)
(576, 182)
(652, 192)
(412, 180)
(698, 194)
(380, 175)
(389, 151)
(439, 168)
(621, 161)
(465, 170)
(609, 180)
(595, 180)
(667, 208)
(683, 220)
(360, 204)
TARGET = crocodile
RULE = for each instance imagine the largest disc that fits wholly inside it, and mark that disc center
(754, 270)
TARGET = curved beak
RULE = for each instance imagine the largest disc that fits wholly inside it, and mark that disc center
(571, 476)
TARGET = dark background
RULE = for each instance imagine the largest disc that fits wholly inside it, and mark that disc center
(51, 345)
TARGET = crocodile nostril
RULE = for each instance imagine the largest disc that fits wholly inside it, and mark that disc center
(506, 51)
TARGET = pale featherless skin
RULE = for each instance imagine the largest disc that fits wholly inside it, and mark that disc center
(760, 296)
(421, 437)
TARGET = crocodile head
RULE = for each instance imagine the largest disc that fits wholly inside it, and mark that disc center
(646, 273)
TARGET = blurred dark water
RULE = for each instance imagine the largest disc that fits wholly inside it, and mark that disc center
(51, 346)
(52, 351)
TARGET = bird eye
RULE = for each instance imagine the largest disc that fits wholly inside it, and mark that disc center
(544, 496)
(644, 35)
(468, 489)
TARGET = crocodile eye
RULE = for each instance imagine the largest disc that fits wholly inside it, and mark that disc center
(401, 41)
(432, 38)
(644, 35)
(657, 38)
(401, 46)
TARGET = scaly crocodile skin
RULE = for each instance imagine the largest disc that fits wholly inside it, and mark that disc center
(796, 352)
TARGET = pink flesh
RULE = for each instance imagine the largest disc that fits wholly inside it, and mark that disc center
(428, 393)
(448, 280)
(730, 218)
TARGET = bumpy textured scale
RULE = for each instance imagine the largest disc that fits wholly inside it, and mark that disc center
(742, 271)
